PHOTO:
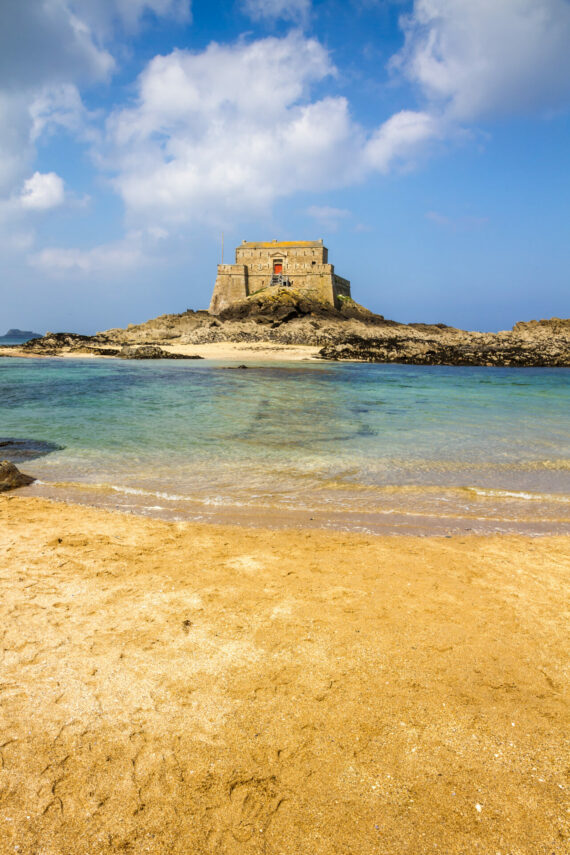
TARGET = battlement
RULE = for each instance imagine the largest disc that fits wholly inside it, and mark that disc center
(302, 265)
(272, 244)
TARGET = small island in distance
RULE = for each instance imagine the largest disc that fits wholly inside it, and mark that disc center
(20, 335)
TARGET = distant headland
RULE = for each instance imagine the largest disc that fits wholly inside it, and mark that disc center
(21, 335)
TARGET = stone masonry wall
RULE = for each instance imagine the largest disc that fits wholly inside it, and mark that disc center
(230, 287)
(304, 265)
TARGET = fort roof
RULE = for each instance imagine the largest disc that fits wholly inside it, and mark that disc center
(276, 244)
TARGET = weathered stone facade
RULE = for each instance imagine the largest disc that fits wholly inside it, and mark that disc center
(302, 265)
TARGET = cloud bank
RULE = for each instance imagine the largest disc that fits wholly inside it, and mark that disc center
(230, 128)
(48, 50)
(488, 58)
(237, 127)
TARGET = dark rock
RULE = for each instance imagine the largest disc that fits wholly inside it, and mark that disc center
(56, 340)
(151, 351)
(11, 477)
(458, 348)
(98, 351)
(283, 316)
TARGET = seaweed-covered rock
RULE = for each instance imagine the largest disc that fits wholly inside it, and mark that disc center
(452, 348)
(151, 351)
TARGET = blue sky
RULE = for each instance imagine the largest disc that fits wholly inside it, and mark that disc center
(427, 142)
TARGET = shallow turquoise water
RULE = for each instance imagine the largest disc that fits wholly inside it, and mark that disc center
(370, 447)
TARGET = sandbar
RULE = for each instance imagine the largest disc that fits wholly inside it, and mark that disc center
(182, 688)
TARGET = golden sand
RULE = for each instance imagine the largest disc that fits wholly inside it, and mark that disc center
(187, 689)
(219, 350)
(234, 350)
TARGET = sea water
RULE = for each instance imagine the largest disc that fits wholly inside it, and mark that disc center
(365, 447)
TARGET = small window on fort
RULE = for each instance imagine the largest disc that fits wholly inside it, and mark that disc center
(277, 266)
(313, 262)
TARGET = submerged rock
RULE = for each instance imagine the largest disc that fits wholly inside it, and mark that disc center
(16, 450)
(11, 477)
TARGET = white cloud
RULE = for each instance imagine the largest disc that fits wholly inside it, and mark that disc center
(231, 128)
(48, 41)
(327, 216)
(438, 219)
(489, 57)
(47, 49)
(42, 191)
(16, 150)
(15, 240)
(292, 10)
(60, 106)
(126, 254)
(103, 15)
(401, 139)
(236, 127)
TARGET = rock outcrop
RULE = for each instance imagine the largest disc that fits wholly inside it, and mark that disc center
(284, 316)
(539, 343)
(53, 344)
(11, 477)
(151, 351)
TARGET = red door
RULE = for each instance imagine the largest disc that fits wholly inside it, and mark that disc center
(277, 267)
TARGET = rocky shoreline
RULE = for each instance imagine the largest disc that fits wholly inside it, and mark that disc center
(284, 317)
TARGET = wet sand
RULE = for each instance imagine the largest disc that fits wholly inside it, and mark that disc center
(187, 689)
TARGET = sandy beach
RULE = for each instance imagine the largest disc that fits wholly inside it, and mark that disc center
(231, 350)
(223, 350)
(183, 688)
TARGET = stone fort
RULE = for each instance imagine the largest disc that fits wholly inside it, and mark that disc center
(302, 265)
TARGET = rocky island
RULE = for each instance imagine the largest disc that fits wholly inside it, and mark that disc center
(283, 317)
(283, 299)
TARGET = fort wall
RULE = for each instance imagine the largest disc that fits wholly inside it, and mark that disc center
(301, 265)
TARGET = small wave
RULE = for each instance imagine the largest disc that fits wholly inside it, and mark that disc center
(517, 494)
(136, 491)
(173, 497)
